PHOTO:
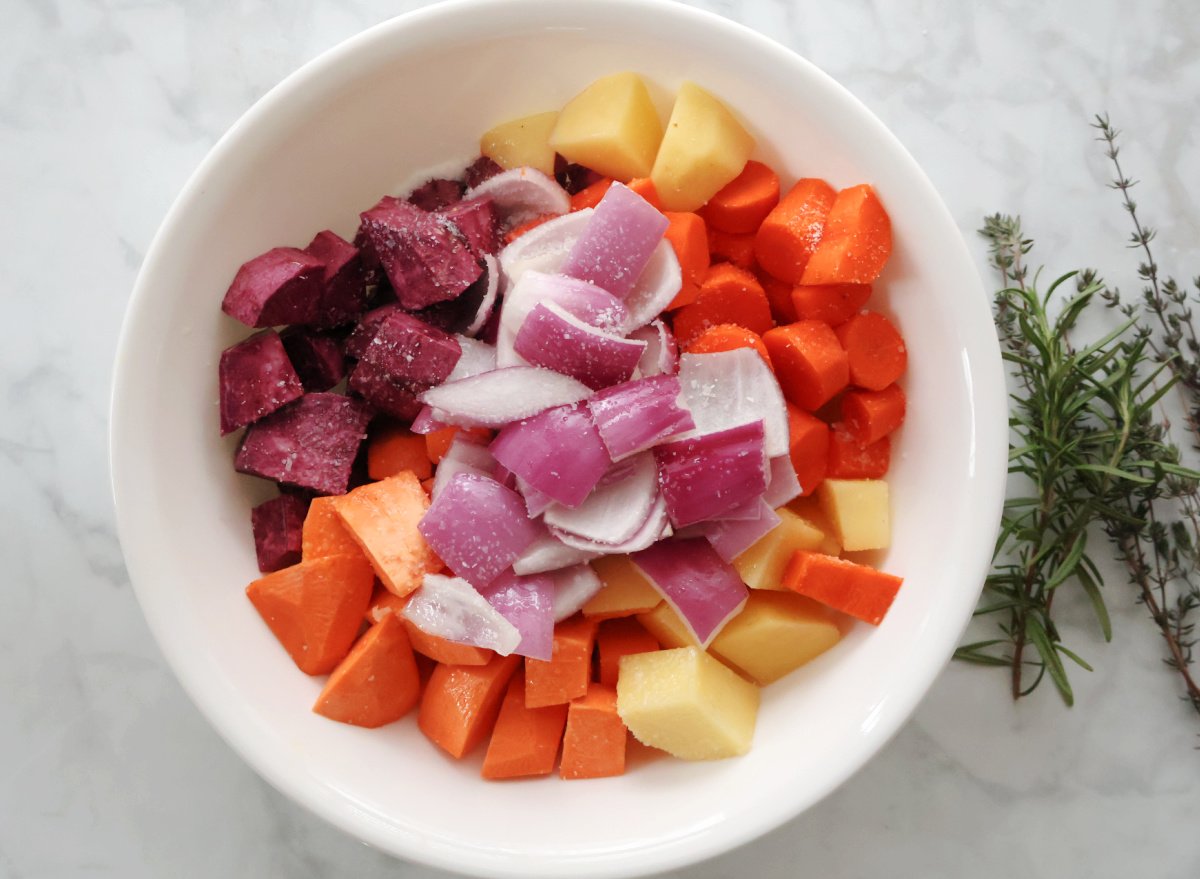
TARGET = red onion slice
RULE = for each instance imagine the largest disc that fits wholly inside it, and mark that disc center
(558, 452)
(639, 414)
(730, 538)
(522, 194)
(476, 358)
(614, 513)
(729, 388)
(496, 398)
(705, 476)
(617, 243)
(656, 527)
(553, 338)
(699, 585)
(782, 484)
(536, 502)
(450, 608)
(548, 553)
(587, 302)
(657, 285)
(465, 455)
(573, 588)
(527, 603)
(662, 354)
(477, 527)
(542, 249)
(491, 295)
(426, 423)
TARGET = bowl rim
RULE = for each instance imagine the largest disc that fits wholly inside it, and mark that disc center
(990, 446)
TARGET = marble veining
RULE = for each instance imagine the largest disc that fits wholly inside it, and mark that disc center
(106, 106)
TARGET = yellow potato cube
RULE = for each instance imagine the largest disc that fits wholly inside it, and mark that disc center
(626, 590)
(761, 566)
(686, 703)
(858, 509)
(522, 143)
(809, 509)
(703, 148)
(667, 628)
(611, 127)
(776, 632)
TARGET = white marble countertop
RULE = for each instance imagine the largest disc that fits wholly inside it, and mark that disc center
(106, 106)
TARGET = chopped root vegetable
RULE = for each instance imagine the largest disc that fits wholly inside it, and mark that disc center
(809, 450)
(344, 289)
(450, 608)
(728, 295)
(705, 476)
(779, 296)
(594, 741)
(256, 378)
(383, 518)
(377, 683)
(644, 187)
(393, 449)
(590, 195)
(626, 590)
(856, 241)
(616, 245)
(500, 397)
(790, 233)
(324, 534)
(281, 286)
(445, 651)
(727, 337)
(875, 351)
(527, 603)
(744, 202)
(737, 250)
(438, 442)
(460, 703)
(620, 637)
(525, 740)
(436, 193)
(558, 452)
(565, 676)
(871, 415)
(809, 361)
(696, 582)
(688, 236)
(850, 459)
(277, 526)
(404, 357)
(833, 303)
(315, 608)
(860, 591)
(317, 358)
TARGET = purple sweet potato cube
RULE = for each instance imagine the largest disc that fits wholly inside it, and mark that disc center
(477, 221)
(368, 324)
(480, 170)
(344, 283)
(574, 178)
(255, 378)
(425, 261)
(437, 193)
(405, 357)
(316, 357)
(310, 444)
(277, 524)
(281, 286)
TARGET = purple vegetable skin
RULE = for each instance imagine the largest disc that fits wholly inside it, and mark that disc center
(256, 378)
(277, 524)
(404, 358)
(437, 193)
(480, 170)
(281, 286)
(343, 283)
(316, 357)
(477, 222)
(702, 588)
(554, 338)
(527, 603)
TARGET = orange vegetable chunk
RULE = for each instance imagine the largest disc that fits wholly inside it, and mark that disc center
(525, 740)
(833, 303)
(324, 534)
(595, 739)
(461, 702)
(644, 187)
(856, 242)
(875, 351)
(566, 674)
(729, 295)
(620, 637)
(377, 682)
(744, 202)
(858, 590)
(809, 448)
(590, 196)
(809, 362)
(383, 517)
(789, 234)
(445, 651)
(850, 459)
(437, 442)
(726, 337)
(315, 608)
(689, 239)
(731, 248)
(626, 590)
(871, 415)
(394, 449)
(779, 296)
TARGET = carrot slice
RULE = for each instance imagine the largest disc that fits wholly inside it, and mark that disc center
(525, 740)
(461, 702)
(809, 362)
(833, 303)
(744, 202)
(383, 604)
(395, 449)
(377, 682)
(869, 416)
(731, 248)
(689, 239)
(851, 459)
(688, 293)
(315, 608)
(779, 296)
(565, 675)
(617, 638)
(788, 236)
(437, 442)
(858, 590)
(875, 350)
(729, 295)
(809, 449)
(383, 517)
(515, 233)
(644, 187)
(726, 337)
(590, 196)
(445, 651)
(856, 242)
(324, 534)
(594, 742)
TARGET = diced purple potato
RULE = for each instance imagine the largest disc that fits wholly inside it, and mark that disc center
(372, 268)
(281, 286)
(477, 527)
(478, 223)
(317, 358)
(404, 358)
(310, 444)
(572, 177)
(368, 325)
(558, 452)
(437, 193)
(469, 312)
(480, 170)
(423, 258)
(277, 524)
(344, 294)
(256, 378)
(618, 241)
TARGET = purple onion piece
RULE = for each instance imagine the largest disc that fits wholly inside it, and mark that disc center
(730, 538)
(548, 553)
(573, 588)
(544, 248)
(502, 396)
(477, 358)
(657, 285)
(618, 241)
(587, 302)
(467, 454)
(558, 452)
(557, 340)
(637, 415)
(662, 354)
(729, 388)
(699, 585)
(782, 483)
(705, 476)
(656, 527)
(450, 608)
(614, 513)
(527, 603)
(523, 194)
(426, 423)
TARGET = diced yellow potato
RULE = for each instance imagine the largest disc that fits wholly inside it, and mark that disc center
(776, 632)
(522, 143)
(761, 566)
(626, 590)
(809, 509)
(858, 509)
(686, 703)
(703, 148)
(667, 627)
(611, 127)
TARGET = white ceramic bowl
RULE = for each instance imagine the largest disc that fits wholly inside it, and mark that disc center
(324, 145)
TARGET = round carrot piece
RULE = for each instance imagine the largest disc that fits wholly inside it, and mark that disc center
(745, 201)
(856, 242)
(872, 415)
(809, 448)
(833, 303)
(809, 362)
(731, 247)
(779, 295)
(729, 295)
(688, 236)
(788, 236)
(726, 337)
(875, 350)
(851, 459)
